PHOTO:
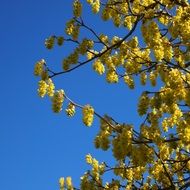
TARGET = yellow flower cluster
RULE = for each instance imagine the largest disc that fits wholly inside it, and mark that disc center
(102, 138)
(129, 81)
(60, 40)
(42, 88)
(70, 111)
(183, 130)
(122, 146)
(49, 42)
(77, 8)
(86, 183)
(168, 50)
(143, 78)
(71, 59)
(138, 152)
(164, 151)
(152, 132)
(111, 76)
(88, 115)
(152, 37)
(181, 24)
(46, 87)
(104, 38)
(128, 22)
(158, 172)
(85, 45)
(57, 101)
(50, 88)
(61, 183)
(95, 6)
(106, 14)
(97, 169)
(69, 184)
(39, 67)
(143, 104)
(66, 183)
(153, 75)
(72, 29)
(98, 67)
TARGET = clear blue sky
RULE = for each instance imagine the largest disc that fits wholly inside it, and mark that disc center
(37, 146)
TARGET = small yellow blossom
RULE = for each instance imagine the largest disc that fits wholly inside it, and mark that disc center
(88, 115)
(77, 8)
(42, 88)
(57, 101)
(98, 67)
(61, 183)
(39, 67)
(70, 111)
(50, 88)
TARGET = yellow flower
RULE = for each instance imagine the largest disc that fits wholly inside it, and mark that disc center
(77, 8)
(143, 104)
(153, 75)
(96, 6)
(61, 183)
(50, 88)
(57, 101)
(88, 115)
(128, 22)
(98, 67)
(143, 78)
(49, 42)
(60, 40)
(70, 26)
(129, 81)
(38, 68)
(111, 76)
(89, 159)
(70, 110)
(69, 183)
(42, 88)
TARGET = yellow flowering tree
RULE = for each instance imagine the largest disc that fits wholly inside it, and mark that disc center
(156, 154)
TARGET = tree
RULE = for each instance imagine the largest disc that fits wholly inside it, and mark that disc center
(157, 154)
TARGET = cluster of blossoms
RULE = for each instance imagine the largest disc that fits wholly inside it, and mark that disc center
(98, 169)
(57, 101)
(143, 78)
(72, 29)
(50, 42)
(181, 24)
(88, 115)
(129, 81)
(39, 67)
(122, 144)
(98, 67)
(77, 8)
(70, 109)
(66, 183)
(46, 87)
(95, 5)
(143, 104)
(102, 139)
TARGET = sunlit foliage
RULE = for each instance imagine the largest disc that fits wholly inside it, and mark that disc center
(156, 154)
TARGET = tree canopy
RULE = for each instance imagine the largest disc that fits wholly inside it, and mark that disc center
(156, 154)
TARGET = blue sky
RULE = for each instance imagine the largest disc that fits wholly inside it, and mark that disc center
(37, 146)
